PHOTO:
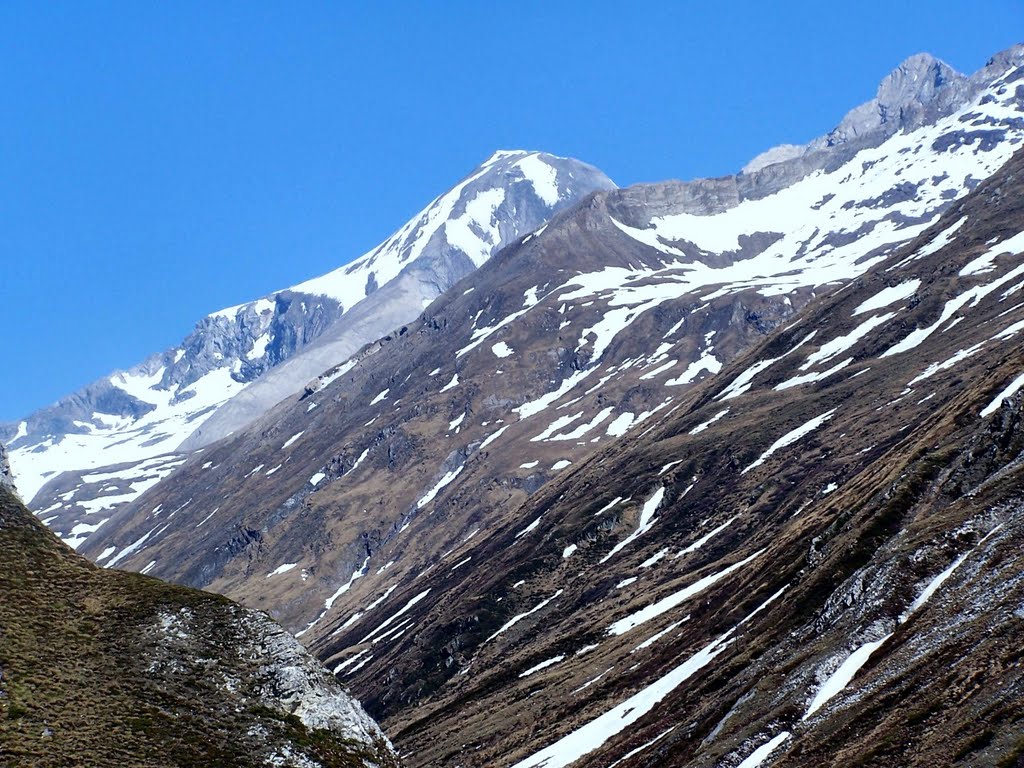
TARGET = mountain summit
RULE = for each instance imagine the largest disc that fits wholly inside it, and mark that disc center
(510, 194)
(919, 90)
(149, 410)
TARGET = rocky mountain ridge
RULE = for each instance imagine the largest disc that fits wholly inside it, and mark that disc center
(921, 90)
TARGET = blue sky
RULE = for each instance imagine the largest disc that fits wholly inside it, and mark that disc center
(162, 160)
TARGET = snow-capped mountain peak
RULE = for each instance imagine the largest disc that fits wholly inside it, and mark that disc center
(467, 221)
(133, 416)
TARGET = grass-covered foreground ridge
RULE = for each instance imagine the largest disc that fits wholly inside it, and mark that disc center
(110, 668)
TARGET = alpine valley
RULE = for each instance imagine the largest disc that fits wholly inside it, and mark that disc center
(727, 472)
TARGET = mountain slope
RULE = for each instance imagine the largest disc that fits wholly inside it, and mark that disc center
(792, 227)
(696, 474)
(241, 360)
(804, 534)
(105, 668)
(570, 338)
(821, 568)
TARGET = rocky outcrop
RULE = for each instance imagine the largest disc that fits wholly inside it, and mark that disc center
(919, 91)
(6, 475)
(291, 679)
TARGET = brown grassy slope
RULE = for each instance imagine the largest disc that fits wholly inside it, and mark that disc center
(853, 520)
(105, 668)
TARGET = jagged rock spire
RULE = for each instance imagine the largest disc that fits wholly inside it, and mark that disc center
(919, 90)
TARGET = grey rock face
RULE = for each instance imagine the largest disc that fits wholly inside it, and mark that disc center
(273, 671)
(6, 476)
(292, 679)
(389, 310)
(289, 320)
(918, 91)
(219, 341)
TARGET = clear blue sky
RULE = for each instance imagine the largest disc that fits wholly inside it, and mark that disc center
(161, 160)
